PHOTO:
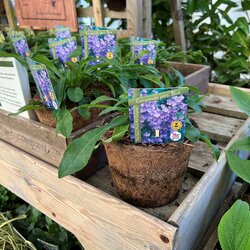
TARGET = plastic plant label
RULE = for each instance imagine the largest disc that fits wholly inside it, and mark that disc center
(43, 84)
(20, 44)
(2, 38)
(157, 115)
(62, 32)
(98, 42)
(142, 44)
(61, 49)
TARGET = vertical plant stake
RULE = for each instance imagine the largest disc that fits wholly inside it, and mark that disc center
(61, 49)
(142, 44)
(157, 116)
(43, 84)
(98, 42)
(20, 44)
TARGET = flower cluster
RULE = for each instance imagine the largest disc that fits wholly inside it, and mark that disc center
(62, 32)
(21, 47)
(158, 116)
(45, 88)
(148, 58)
(61, 49)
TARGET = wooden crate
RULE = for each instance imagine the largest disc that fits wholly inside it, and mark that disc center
(42, 142)
(93, 211)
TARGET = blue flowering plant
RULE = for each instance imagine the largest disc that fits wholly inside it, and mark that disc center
(98, 42)
(142, 44)
(62, 32)
(20, 44)
(120, 129)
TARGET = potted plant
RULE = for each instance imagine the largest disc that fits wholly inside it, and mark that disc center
(145, 175)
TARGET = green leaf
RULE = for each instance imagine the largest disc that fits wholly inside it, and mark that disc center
(35, 105)
(79, 151)
(193, 105)
(241, 144)
(245, 5)
(84, 112)
(64, 122)
(192, 134)
(215, 150)
(75, 94)
(242, 99)
(240, 39)
(102, 98)
(234, 227)
(239, 166)
(77, 52)
(118, 133)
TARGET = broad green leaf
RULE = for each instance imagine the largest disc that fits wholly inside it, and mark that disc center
(245, 5)
(79, 151)
(239, 38)
(192, 134)
(193, 105)
(31, 106)
(77, 52)
(84, 112)
(234, 227)
(64, 122)
(215, 150)
(242, 99)
(75, 94)
(241, 144)
(239, 166)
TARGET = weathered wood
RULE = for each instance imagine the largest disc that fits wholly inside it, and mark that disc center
(222, 105)
(10, 14)
(46, 13)
(196, 75)
(177, 17)
(219, 128)
(88, 12)
(98, 220)
(147, 19)
(134, 17)
(194, 215)
(220, 89)
(97, 9)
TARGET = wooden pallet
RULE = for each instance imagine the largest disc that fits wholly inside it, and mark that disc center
(93, 211)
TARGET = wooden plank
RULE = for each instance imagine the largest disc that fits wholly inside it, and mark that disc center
(177, 17)
(222, 105)
(219, 128)
(10, 14)
(220, 89)
(147, 19)
(195, 214)
(134, 17)
(88, 12)
(97, 9)
(98, 220)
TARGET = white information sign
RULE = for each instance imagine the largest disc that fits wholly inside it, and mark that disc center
(14, 86)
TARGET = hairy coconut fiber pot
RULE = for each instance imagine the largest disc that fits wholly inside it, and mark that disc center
(148, 175)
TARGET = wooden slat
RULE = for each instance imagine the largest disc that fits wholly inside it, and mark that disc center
(98, 220)
(219, 128)
(88, 12)
(147, 18)
(134, 17)
(196, 212)
(97, 9)
(220, 89)
(10, 14)
(222, 105)
(177, 17)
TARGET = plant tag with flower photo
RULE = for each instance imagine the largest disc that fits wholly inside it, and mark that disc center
(2, 38)
(157, 115)
(62, 32)
(138, 45)
(61, 49)
(98, 42)
(43, 84)
(20, 44)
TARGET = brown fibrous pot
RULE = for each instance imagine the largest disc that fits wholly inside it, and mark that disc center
(148, 175)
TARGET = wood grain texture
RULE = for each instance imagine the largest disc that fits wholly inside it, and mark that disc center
(195, 214)
(46, 14)
(134, 17)
(219, 128)
(222, 105)
(147, 19)
(98, 220)
(97, 9)
(177, 16)
(220, 89)
(10, 14)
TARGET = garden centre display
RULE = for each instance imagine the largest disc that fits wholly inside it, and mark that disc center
(20, 45)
